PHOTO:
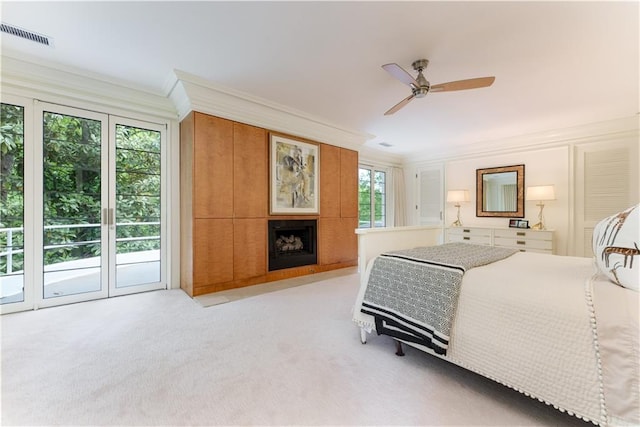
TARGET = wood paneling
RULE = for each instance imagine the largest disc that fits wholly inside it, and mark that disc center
(212, 252)
(250, 172)
(186, 204)
(337, 241)
(213, 167)
(348, 183)
(249, 248)
(329, 181)
(225, 206)
(350, 240)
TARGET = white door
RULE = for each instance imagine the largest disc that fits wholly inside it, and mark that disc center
(135, 212)
(98, 205)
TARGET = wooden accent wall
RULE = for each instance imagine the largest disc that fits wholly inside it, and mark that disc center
(338, 205)
(212, 167)
(225, 206)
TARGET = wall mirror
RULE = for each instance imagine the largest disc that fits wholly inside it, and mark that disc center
(500, 192)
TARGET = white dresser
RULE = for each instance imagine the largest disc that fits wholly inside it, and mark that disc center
(517, 238)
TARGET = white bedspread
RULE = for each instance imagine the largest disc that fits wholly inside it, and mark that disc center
(618, 326)
(527, 322)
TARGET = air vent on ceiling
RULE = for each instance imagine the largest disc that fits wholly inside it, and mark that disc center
(29, 35)
(385, 144)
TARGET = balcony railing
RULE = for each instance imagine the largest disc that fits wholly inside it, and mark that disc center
(11, 231)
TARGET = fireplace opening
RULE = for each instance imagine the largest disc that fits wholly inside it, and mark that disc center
(292, 243)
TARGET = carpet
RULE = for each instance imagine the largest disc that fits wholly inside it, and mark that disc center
(223, 297)
(289, 357)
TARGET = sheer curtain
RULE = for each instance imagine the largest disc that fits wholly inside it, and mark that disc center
(399, 197)
(510, 196)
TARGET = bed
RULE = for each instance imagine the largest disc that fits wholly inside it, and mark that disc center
(555, 328)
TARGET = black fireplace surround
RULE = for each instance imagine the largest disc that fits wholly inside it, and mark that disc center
(292, 243)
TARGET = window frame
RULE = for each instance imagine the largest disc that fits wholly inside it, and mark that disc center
(32, 105)
(28, 216)
(387, 175)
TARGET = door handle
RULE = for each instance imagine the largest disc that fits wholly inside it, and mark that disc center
(107, 216)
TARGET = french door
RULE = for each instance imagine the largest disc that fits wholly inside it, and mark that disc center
(98, 204)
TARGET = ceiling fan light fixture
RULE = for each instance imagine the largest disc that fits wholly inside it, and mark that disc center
(421, 91)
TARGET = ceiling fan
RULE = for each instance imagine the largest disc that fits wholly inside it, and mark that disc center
(420, 86)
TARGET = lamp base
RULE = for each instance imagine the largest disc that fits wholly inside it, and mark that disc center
(456, 223)
(538, 226)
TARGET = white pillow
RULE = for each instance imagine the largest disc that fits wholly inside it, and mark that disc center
(615, 245)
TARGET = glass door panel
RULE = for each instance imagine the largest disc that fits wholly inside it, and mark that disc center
(364, 198)
(138, 212)
(73, 248)
(11, 204)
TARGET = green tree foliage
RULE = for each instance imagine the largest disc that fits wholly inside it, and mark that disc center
(138, 165)
(367, 187)
(11, 182)
(72, 185)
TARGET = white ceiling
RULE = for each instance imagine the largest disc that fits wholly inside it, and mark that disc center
(557, 64)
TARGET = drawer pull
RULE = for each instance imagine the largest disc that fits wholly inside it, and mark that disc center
(521, 242)
(466, 230)
(521, 233)
(466, 238)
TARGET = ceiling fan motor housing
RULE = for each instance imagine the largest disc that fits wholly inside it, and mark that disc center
(423, 84)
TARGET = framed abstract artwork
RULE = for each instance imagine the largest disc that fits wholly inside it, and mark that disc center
(294, 176)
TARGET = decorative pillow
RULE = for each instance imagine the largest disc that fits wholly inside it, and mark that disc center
(615, 246)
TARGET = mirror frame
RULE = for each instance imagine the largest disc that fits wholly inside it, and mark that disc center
(519, 213)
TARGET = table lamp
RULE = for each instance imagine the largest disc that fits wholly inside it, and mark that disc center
(540, 193)
(457, 196)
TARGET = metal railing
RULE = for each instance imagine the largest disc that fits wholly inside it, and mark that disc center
(10, 251)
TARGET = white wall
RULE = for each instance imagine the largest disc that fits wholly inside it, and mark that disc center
(548, 157)
(541, 167)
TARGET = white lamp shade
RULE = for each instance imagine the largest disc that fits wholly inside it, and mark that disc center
(541, 193)
(454, 196)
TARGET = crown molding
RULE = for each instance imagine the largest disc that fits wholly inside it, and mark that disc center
(192, 93)
(55, 83)
(626, 127)
(378, 157)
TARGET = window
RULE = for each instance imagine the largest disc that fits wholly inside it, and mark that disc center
(82, 205)
(372, 197)
(11, 204)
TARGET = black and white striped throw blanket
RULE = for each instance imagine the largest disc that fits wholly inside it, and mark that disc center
(413, 293)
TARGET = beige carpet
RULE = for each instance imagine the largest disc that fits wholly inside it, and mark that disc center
(291, 357)
(223, 297)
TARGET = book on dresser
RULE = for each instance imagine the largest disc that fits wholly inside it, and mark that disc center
(516, 238)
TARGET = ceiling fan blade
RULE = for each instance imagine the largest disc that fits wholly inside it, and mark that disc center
(399, 73)
(463, 84)
(399, 105)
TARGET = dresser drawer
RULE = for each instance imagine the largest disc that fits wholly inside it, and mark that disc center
(523, 234)
(475, 239)
(524, 243)
(469, 231)
(522, 239)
